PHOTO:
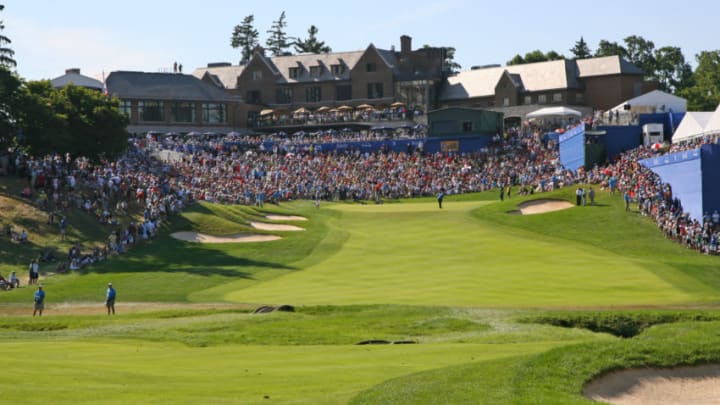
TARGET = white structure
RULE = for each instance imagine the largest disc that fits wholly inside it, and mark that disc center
(655, 101)
(692, 126)
(652, 133)
(554, 112)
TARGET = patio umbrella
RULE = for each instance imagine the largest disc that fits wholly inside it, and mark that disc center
(364, 107)
(301, 110)
(397, 104)
(323, 109)
(344, 108)
(266, 112)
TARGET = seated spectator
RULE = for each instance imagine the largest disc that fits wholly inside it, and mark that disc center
(23, 237)
(4, 284)
(14, 280)
(26, 192)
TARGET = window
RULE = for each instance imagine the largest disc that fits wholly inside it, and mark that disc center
(183, 112)
(214, 113)
(375, 90)
(467, 126)
(542, 99)
(151, 111)
(314, 71)
(557, 97)
(343, 92)
(294, 72)
(337, 70)
(528, 100)
(126, 107)
(283, 95)
(257, 75)
(370, 67)
(579, 97)
(506, 102)
(312, 94)
(253, 97)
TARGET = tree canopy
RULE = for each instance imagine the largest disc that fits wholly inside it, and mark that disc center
(703, 94)
(245, 37)
(6, 53)
(535, 56)
(278, 42)
(581, 49)
(311, 44)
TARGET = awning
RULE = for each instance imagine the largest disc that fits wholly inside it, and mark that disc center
(554, 112)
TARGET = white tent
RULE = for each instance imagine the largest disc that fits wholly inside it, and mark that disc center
(554, 112)
(655, 101)
(692, 126)
(713, 124)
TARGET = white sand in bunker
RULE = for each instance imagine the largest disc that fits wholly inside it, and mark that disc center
(264, 226)
(542, 206)
(285, 218)
(676, 386)
(239, 238)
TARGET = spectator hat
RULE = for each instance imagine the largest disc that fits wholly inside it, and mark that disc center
(109, 284)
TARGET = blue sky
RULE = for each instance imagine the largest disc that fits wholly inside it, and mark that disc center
(49, 35)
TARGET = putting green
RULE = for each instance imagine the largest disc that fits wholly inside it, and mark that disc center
(141, 372)
(420, 255)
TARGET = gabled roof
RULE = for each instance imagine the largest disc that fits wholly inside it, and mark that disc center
(163, 86)
(226, 75)
(77, 80)
(324, 60)
(692, 125)
(713, 124)
(657, 98)
(541, 76)
(606, 65)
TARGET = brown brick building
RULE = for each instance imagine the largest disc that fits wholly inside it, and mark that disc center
(586, 84)
(372, 76)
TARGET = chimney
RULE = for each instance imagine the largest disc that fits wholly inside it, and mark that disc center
(405, 45)
(72, 71)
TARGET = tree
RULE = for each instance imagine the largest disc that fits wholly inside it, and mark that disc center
(704, 92)
(449, 64)
(278, 41)
(6, 54)
(73, 120)
(10, 96)
(581, 49)
(245, 37)
(672, 71)
(641, 53)
(534, 57)
(311, 44)
(607, 48)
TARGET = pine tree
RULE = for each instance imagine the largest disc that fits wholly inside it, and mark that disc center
(245, 37)
(581, 49)
(6, 54)
(278, 41)
(311, 44)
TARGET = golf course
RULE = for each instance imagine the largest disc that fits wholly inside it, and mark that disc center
(394, 303)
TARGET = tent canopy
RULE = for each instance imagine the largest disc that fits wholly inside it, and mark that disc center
(655, 101)
(692, 126)
(713, 124)
(554, 112)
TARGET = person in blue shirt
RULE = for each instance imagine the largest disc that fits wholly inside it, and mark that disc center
(39, 301)
(440, 197)
(110, 299)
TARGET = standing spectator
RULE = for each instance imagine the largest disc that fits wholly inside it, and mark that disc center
(63, 225)
(440, 197)
(39, 300)
(591, 194)
(110, 299)
(33, 272)
(626, 196)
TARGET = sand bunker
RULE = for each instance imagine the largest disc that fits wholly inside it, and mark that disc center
(680, 385)
(239, 238)
(542, 206)
(285, 218)
(264, 226)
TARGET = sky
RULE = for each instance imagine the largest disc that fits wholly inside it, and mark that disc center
(49, 36)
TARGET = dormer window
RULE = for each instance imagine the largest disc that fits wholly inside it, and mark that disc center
(257, 75)
(294, 72)
(314, 71)
(337, 70)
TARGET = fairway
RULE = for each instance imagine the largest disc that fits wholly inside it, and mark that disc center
(421, 255)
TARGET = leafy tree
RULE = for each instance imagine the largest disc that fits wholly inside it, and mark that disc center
(607, 48)
(535, 56)
(704, 92)
(449, 64)
(278, 41)
(245, 37)
(10, 96)
(311, 44)
(641, 53)
(73, 120)
(6, 54)
(581, 49)
(672, 71)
